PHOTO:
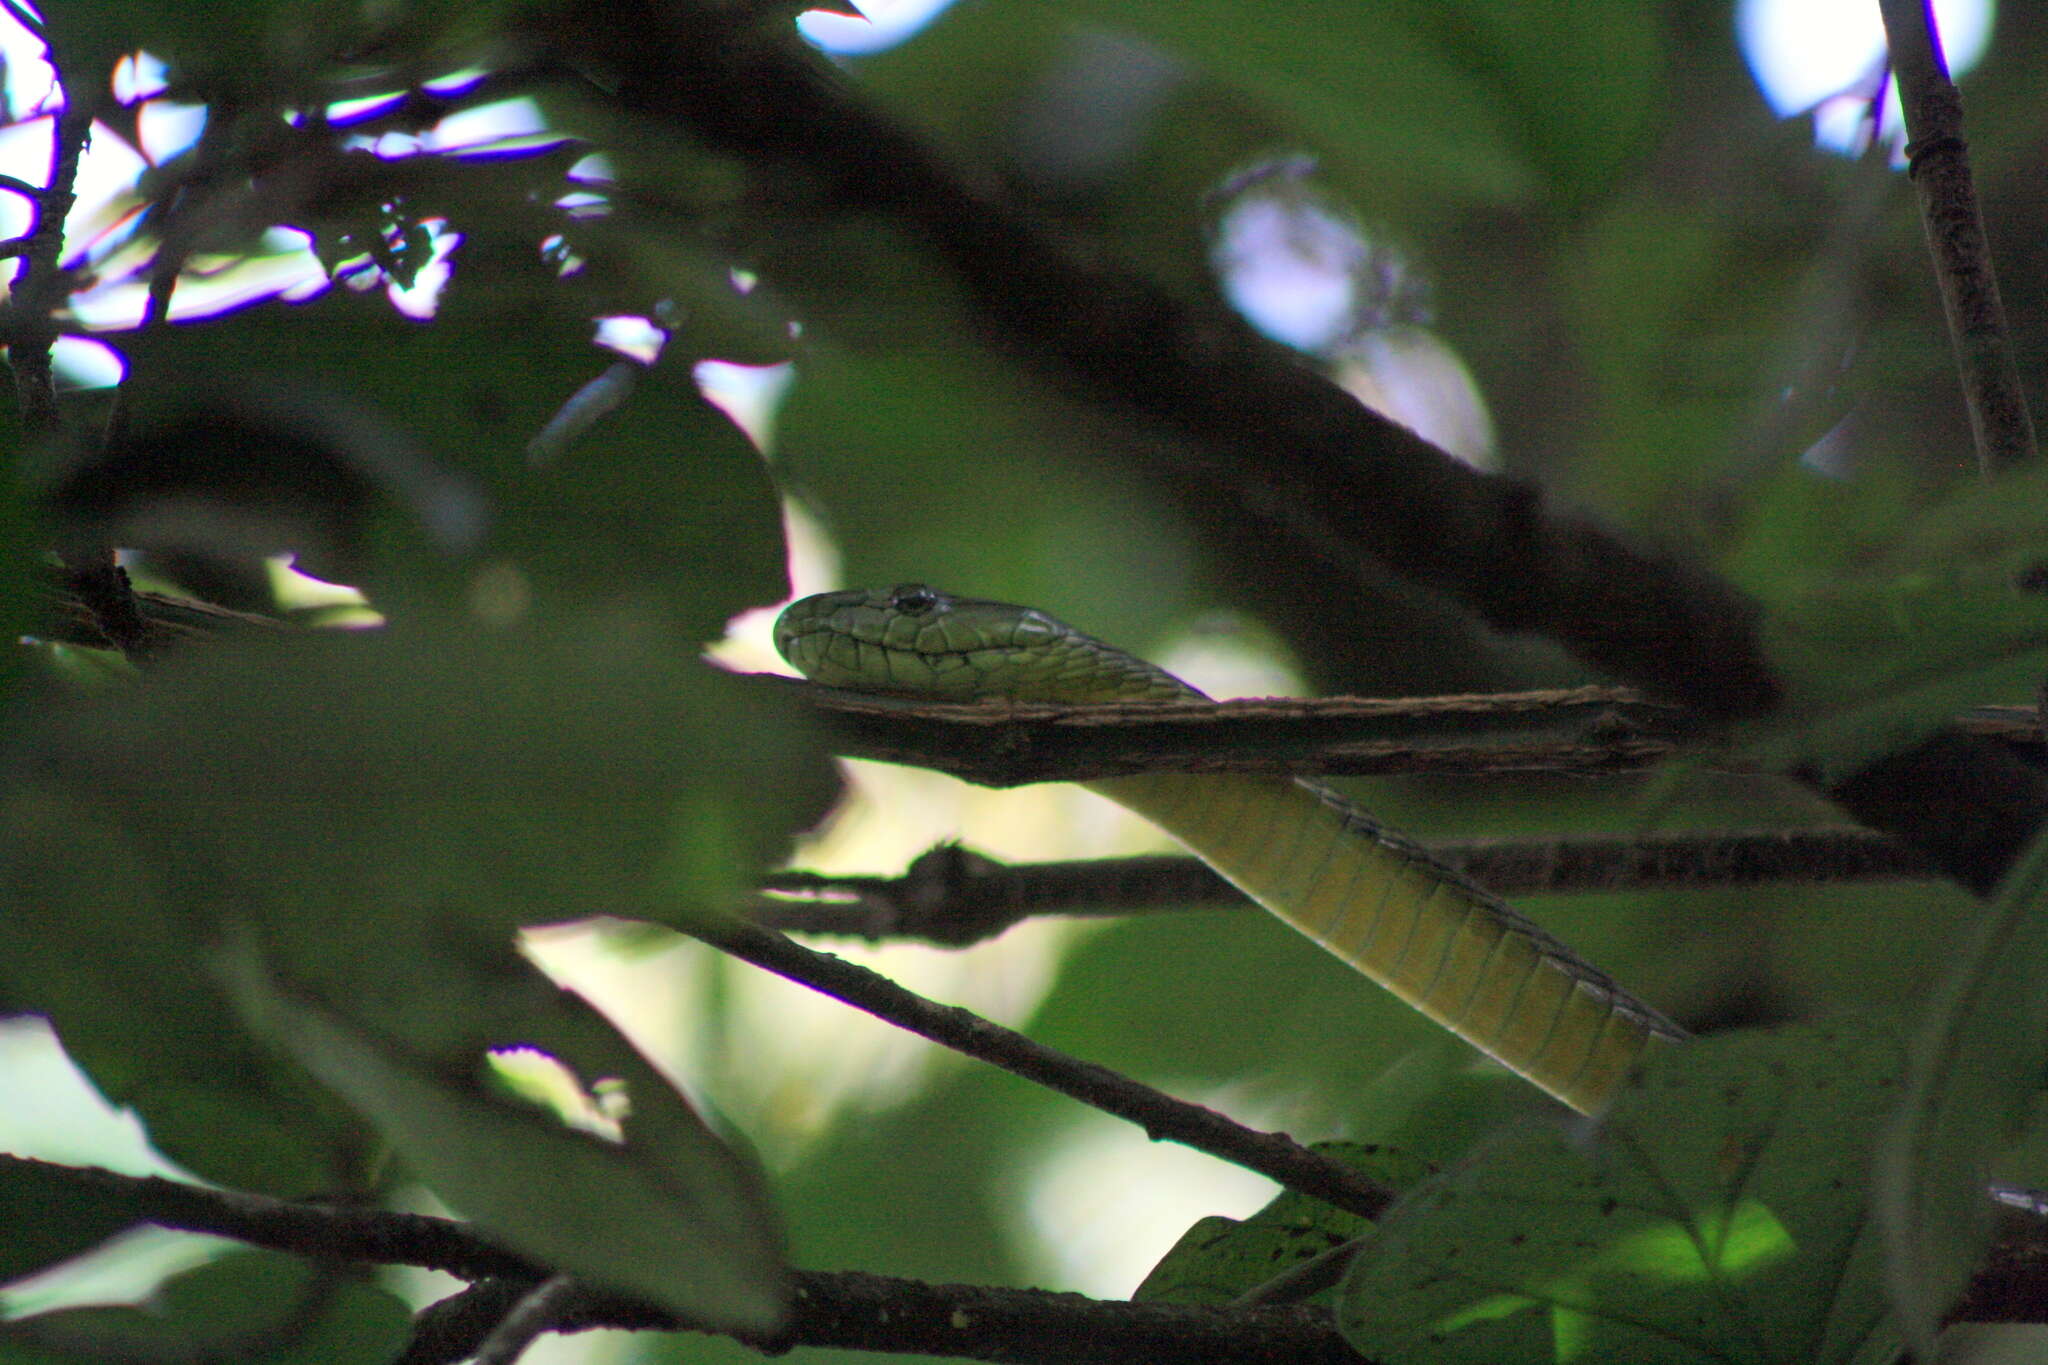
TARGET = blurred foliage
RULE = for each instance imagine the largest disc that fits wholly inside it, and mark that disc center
(266, 891)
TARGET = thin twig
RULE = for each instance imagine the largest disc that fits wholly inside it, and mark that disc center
(954, 896)
(979, 1322)
(453, 1328)
(26, 17)
(1965, 801)
(66, 617)
(533, 1314)
(1305, 1281)
(1163, 1117)
(1580, 731)
(1999, 420)
(39, 286)
(39, 283)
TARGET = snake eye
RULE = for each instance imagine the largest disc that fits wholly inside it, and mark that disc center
(914, 599)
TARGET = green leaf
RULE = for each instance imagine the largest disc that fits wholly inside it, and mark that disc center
(1217, 1259)
(89, 940)
(1719, 1214)
(1972, 1072)
(375, 816)
(383, 811)
(2008, 666)
(256, 1307)
(50, 1219)
(682, 1222)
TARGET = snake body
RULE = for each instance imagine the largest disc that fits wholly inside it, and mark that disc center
(1376, 900)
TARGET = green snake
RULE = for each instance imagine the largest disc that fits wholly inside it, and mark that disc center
(1378, 901)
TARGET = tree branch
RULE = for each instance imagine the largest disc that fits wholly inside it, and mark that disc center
(39, 283)
(1585, 730)
(953, 896)
(452, 1329)
(853, 1311)
(535, 1312)
(843, 1309)
(1963, 798)
(311, 1230)
(65, 617)
(2000, 423)
(1163, 1117)
(99, 583)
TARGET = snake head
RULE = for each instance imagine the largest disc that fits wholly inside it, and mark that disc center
(915, 641)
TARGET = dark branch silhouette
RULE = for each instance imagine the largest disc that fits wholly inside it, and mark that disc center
(1584, 731)
(845, 1309)
(1163, 1117)
(954, 896)
(39, 289)
(2000, 423)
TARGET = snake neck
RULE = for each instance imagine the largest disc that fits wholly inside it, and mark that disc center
(1389, 908)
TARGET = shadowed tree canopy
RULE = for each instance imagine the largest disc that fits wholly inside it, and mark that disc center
(1642, 497)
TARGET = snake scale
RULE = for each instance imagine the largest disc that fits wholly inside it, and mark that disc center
(1372, 897)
